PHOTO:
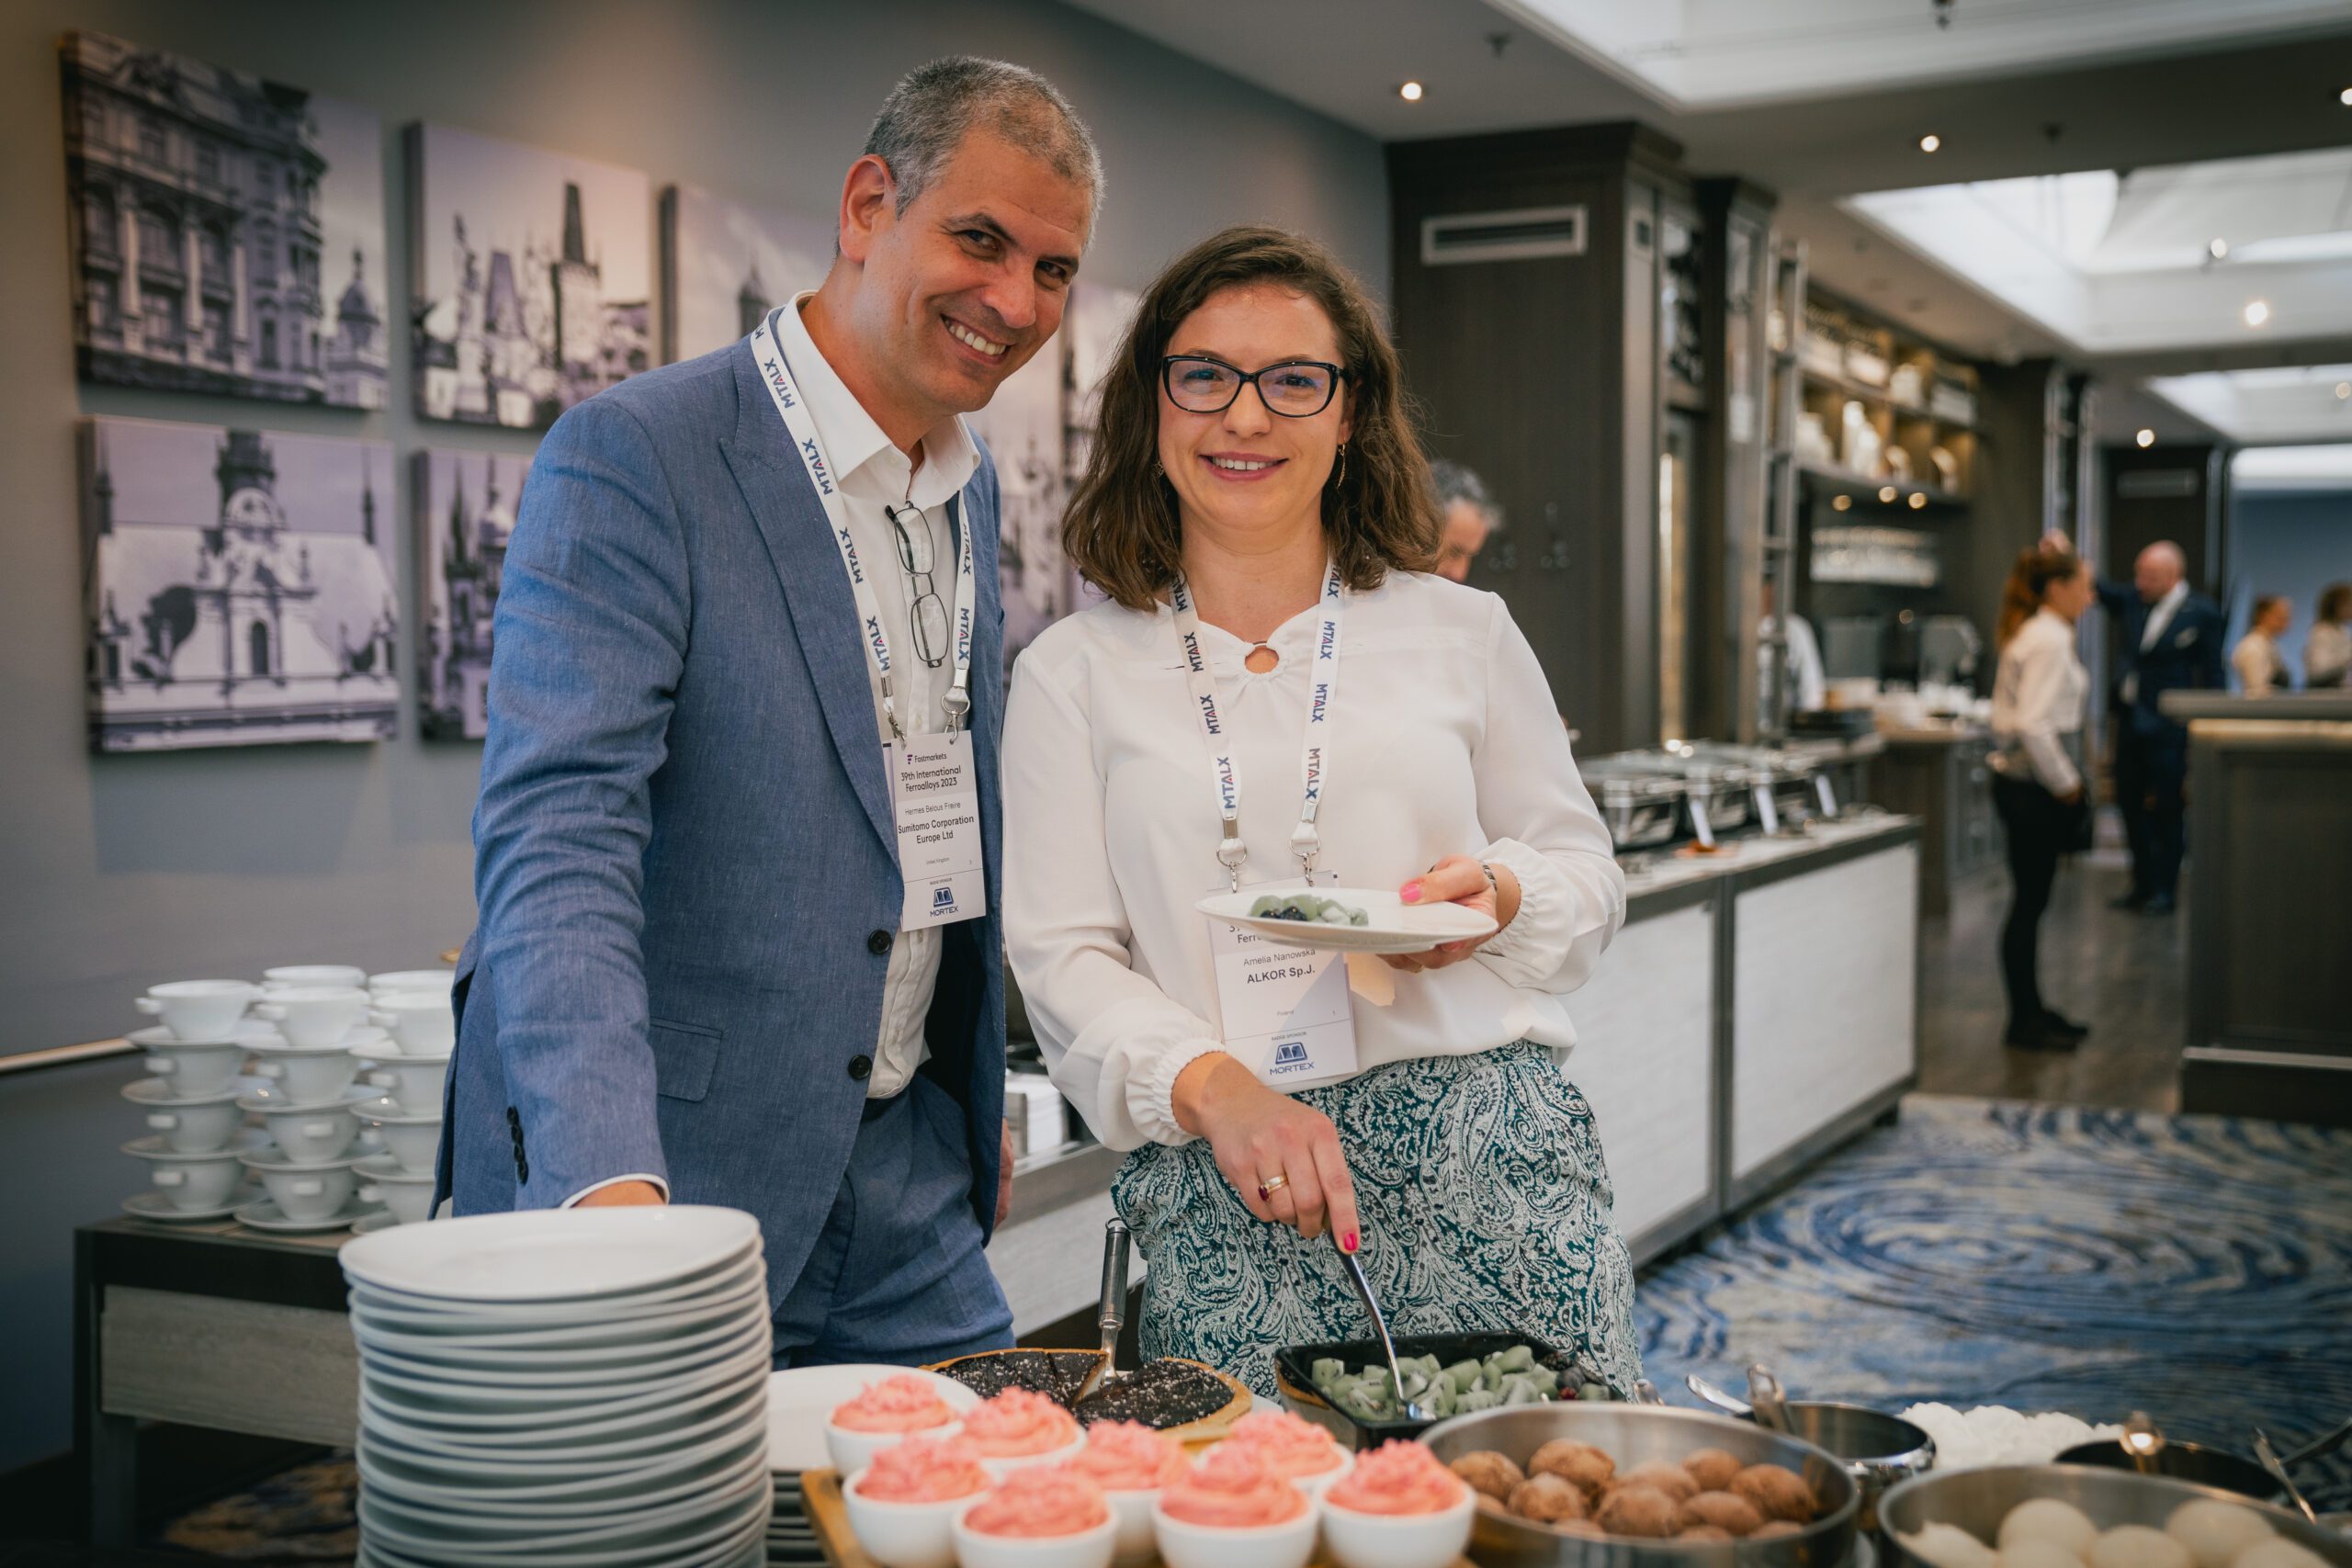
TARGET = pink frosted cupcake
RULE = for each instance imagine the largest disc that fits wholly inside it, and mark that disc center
(1047, 1515)
(903, 1509)
(1398, 1508)
(1131, 1463)
(1295, 1449)
(1231, 1511)
(1018, 1428)
(881, 1415)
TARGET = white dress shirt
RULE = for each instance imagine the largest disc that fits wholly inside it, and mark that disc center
(2037, 703)
(2261, 668)
(2327, 654)
(2161, 612)
(1447, 742)
(873, 474)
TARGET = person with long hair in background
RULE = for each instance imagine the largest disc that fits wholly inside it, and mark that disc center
(2328, 651)
(2037, 773)
(2261, 667)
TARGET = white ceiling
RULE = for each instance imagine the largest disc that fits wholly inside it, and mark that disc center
(2287, 406)
(2293, 467)
(1706, 54)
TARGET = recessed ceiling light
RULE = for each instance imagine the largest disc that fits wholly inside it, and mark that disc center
(2344, 98)
(2343, 391)
(1841, 503)
(1929, 142)
(1919, 499)
(2256, 312)
(2146, 438)
(1886, 494)
(2219, 250)
(1410, 91)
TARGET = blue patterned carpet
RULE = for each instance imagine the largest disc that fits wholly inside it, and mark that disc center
(2045, 1257)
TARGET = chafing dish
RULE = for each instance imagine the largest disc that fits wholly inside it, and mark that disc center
(1641, 801)
(1790, 787)
(1978, 1500)
(1635, 1434)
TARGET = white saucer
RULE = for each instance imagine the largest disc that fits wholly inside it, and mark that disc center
(1396, 925)
(159, 1035)
(266, 1215)
(152, 1146)
(381, 1107)
(369, 1224)
(273, 1100)
(158, 1093)
(155, 1206)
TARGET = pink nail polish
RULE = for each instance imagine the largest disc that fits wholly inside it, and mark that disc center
(1351, 1242)
(1412, 894)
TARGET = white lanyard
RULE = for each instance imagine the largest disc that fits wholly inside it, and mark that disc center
(785, 393)
(1313, 769)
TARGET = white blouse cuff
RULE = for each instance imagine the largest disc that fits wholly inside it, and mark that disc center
(1151, 1096)
(1536, 940)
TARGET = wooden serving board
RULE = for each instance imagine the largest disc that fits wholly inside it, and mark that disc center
(821, 1491)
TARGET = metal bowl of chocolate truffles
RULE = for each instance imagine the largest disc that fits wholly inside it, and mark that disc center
(1591, 1485)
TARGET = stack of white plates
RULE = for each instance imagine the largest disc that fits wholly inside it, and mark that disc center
(583, 1386)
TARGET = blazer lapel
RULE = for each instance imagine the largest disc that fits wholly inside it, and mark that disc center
(816, 596)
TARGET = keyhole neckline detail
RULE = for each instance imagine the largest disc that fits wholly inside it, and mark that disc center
(1261, 660)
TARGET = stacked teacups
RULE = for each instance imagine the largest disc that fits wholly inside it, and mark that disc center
(406, 1063)
(548, 1386)
(308, 1104)
(195, 1132)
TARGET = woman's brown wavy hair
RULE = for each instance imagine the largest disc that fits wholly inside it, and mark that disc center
(1122, 530)
(2030, 575)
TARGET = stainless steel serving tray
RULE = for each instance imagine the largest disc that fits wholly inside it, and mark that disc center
(1635, 1434)
(1642, 807)
(1978, 1500)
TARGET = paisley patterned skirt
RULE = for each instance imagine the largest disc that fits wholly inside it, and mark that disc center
(1485, 1206)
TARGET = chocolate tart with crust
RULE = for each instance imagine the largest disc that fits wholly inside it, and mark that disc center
(1189, 1402)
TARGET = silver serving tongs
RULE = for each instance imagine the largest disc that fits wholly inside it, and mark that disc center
(1113, 1314)
(1765, 1394)
(2269, 1458)
(1348, 1260)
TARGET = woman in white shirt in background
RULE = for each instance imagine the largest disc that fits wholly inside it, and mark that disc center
(1277, 677)
(2262, 669)
(2037, 771)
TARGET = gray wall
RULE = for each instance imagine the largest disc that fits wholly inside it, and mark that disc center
(116, 872)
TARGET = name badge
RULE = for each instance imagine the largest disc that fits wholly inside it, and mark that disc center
(1284, 1010)
(935, 801)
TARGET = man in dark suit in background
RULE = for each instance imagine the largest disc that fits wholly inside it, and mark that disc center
(2172, 641)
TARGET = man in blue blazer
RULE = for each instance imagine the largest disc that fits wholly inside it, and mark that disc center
(748, 641)
(2172, 641)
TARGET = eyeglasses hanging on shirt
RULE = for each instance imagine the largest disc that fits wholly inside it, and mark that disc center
(924, 609)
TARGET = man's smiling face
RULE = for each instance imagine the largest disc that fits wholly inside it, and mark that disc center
(967, 284)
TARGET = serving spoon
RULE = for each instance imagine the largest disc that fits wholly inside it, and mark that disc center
(2269, 1458)
(1349, 1261)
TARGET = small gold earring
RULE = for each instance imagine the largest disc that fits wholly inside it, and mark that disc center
(1340, 478)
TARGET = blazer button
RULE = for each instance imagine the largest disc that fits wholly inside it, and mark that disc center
(878, 944)
(861, 1067)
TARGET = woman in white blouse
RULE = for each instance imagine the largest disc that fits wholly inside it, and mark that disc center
(2262, 669)
(2037, 769)
(1277, 681)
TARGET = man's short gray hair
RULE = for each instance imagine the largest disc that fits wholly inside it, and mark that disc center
(927, 115)
(1453, 482)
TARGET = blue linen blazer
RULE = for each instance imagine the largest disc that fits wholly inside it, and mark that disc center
(684, 860)
(2188, 655)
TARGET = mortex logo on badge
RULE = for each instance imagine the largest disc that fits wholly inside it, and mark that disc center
(942, 900)
(1290, 1057)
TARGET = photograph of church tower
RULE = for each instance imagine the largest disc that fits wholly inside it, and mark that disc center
(241, 587)
(466, 504)
(725, 264)
(228, 233)
(532, 273)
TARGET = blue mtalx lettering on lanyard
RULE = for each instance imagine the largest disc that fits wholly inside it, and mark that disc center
(1322, 699)
(1208, 715)
(778, 380)
(1315, 773)
(849, 554)
(963, 633)
(1331, 635)
(1224, 782)
(881, 646)
(1193, 653)
(815, 460)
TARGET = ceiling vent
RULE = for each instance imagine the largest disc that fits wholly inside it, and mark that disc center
(1522, 235)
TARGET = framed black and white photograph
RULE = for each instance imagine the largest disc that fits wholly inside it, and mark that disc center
(1023, 427)
(1093, 325)
(532, 275)
(725, 264)
(228, 233)
(466, 504)
(241, 587)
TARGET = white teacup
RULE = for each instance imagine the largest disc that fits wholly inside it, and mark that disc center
(415, 1082)
(423, 1022)
(413, 1141)
(191, 1123)
(308, 1133)
(189, 1067)
(308, 1077)
(308, 1189)
(199, 1010)
(337, 974)
(408, 1194)
(312, 1016)
(437, 981)
(190, 1183)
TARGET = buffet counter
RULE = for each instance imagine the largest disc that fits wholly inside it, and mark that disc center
(1942, 774)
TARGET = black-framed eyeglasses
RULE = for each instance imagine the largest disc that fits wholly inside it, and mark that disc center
(1295, 389)
(926, 612)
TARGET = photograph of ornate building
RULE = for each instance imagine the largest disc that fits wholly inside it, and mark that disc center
(532, 273)
(466, 504)
(724, 265)
(228, 233)
(1023, 427)
(241, 589)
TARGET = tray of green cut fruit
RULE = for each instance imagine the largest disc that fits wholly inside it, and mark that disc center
(1344, 1386)
(1347, 919)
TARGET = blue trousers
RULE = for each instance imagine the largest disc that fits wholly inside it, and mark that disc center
(898, 1275)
